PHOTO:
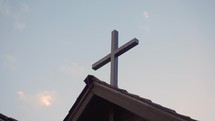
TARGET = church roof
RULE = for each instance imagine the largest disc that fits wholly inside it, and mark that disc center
(5, 118)
(141, 107)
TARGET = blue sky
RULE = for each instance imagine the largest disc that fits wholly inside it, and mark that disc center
(47, 49)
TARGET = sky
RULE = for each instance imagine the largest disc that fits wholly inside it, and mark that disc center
(47, 48)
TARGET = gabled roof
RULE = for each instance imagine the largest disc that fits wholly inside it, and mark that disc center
(98, 96)
(5, 118)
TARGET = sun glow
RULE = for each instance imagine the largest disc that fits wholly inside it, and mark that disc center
(45, 99)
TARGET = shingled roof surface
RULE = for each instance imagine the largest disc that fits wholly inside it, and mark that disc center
(92, 78)
(5, 118)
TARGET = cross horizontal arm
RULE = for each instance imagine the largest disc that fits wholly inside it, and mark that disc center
(101, 62)
(117, 52)
(126, 47)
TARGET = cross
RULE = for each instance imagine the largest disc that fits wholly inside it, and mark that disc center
(113, 56)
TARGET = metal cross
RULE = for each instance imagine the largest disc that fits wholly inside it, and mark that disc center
(113, 56)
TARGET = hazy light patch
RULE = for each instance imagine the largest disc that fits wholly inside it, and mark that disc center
(146, 29)
(9, 57)
(146, 14)
(19, 25)
(43, 98)
(4, 8)
(24, 8)
(73, 69)
(8, 11)
(20, 94)
(9, 61)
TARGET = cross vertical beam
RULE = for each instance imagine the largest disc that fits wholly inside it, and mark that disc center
(114, 59)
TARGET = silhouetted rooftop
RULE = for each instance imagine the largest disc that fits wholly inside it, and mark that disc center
(5, 118)
(97, 92)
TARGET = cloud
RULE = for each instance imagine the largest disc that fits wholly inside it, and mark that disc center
(4, 8)
(43, 98)
(19, 25)
(146, 14)
(13, 13)
(9, 57)
(146, 29)
(9, 61)
(72, 68)
(24, 8)
(21, 94)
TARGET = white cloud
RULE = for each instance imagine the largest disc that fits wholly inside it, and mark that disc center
(72, 68)
(42, 98)
(9, 61)
(45, 98)
(15, 15)
(146, 14)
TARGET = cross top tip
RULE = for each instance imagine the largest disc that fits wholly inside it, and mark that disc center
(114, 30)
